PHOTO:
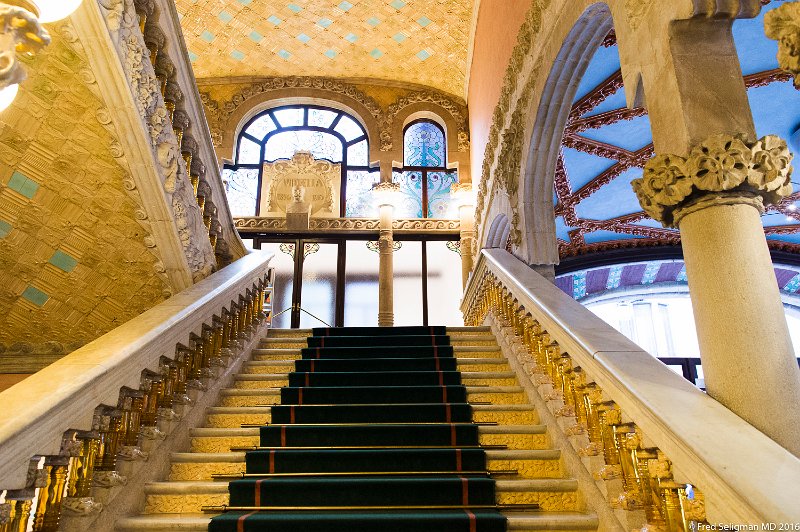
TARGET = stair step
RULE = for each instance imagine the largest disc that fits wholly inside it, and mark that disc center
(189, 496)
(519, 521)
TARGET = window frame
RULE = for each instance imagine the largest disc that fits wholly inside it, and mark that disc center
(345, 168)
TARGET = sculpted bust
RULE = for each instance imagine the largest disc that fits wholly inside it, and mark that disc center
(298, 203)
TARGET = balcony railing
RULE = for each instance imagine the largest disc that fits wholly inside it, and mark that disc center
(72, 428)
(656, 444)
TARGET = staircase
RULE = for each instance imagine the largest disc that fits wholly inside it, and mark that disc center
(507, 426)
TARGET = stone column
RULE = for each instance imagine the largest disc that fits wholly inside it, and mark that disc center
(384, 194)
(716, 196)
(465, 200)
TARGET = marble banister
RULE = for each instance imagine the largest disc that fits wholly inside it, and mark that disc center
(744, 476)
(63, 397)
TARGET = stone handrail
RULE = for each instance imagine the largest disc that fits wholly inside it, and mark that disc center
(181, 344)
(744, 476)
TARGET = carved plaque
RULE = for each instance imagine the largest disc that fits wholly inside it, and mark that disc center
(320, 179)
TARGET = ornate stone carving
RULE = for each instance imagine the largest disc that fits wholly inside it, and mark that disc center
(457, 110)
(24, 34)
(723, 166)
(783, 25)
(258, 224)
(319, 177)
(134, 54)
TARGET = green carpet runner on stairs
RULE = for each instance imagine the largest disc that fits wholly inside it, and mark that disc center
(373, 434)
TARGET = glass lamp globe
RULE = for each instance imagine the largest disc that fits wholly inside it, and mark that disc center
(53, 10)
(7, 96)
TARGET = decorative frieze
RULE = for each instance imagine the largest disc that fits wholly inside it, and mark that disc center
(721, 170)
(261, 224)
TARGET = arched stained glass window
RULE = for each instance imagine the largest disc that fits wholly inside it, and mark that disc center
(424, 145)
(425, 182)
(279, 133)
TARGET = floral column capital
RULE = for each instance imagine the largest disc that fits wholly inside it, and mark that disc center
(783, 25)
(721, 170)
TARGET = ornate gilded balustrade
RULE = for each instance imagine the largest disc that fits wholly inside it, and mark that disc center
(76, 428)
(665, 455)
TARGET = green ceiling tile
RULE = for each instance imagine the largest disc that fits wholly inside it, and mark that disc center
(325, 22)
(63, 261)
(424, 21)
(423, 55)
(344, 6)
(352, 37)
(255, 36)
(331, 53)
(5, 228)
(35, 296)
(303, 38)
(275, 20)
(192, 56)
(376, 53)
(284, 54)
(225, 17)
(238, 55)
(400, 37)
(398, 4)
(373, 21)
(23, 185)
(295, 8)
(207, 36)
(245, 2)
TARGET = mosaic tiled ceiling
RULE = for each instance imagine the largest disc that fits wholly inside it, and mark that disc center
(605, 146)
(414, 41)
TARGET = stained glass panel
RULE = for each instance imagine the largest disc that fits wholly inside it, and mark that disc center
(410, 203)
(440, 204)
(424, 145)
(359, 202)
(349, 128)
(321, 117)
(241, 187)
(357, 154)
(290, 117)
(321, 145)
(261, 126)
(249, 152)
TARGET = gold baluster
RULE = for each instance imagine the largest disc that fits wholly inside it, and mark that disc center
(227, 320)
(592, 399)
(609, 416)
(152, 384)
(180, 123)
(47, 516)
(155, 40)
(82, 447)
(198, 361)
(108, 423)
(21, 514)
(671, 495)
(627, 442)
(131, 406)
(650, 472)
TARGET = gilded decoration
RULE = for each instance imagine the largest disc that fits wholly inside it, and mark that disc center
(258, 224)
(783, 25)
(221, 101)
(320, 180)
(78, 258)
(418, 42)
(722, 166)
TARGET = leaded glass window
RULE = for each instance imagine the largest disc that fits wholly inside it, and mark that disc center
(425, 181)
(280, 132)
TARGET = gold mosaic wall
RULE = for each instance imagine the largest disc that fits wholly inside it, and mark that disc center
(412, 41)
(74, 261)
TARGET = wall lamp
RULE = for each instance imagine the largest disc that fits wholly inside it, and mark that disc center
(21, 32)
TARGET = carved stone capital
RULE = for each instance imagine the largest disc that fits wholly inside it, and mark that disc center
(783, 25)
(180, 120)
(721, 170)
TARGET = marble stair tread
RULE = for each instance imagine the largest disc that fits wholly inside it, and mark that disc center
(277, 391)
(520, 521)
(194, 487)
(479, 328)
(464, 375)
(276, 351)
(218, 432)
(267, 409)
(475, 348)
(464, 361)
(533, 454)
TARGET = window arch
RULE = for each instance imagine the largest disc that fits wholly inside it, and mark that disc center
(424, 179)
(279, 132)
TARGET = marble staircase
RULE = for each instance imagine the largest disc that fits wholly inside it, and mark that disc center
(499, 401)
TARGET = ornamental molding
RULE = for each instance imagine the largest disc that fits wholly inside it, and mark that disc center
(721, 170)
(783, 25)
(123, 27)
(220, 113)
(258, 224)
(457, 110)
(501, 120)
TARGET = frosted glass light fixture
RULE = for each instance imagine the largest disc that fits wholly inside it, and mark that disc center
(7, 95)
(53, 10)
